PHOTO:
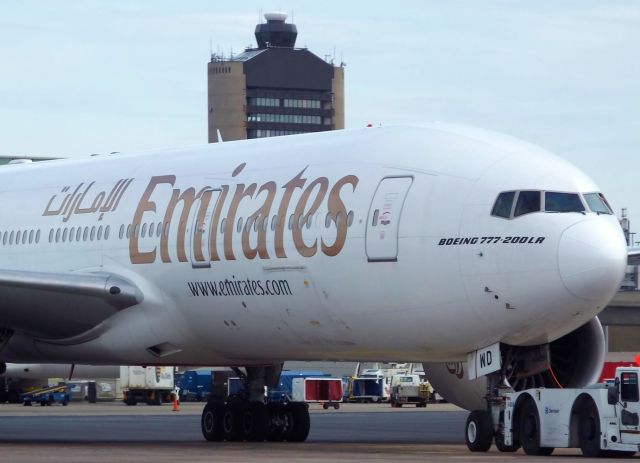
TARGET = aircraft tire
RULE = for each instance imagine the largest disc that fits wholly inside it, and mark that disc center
(211, 422)
(300, 422)
(232, 422)
(479, 431)
(255, 422)
(529, 430)
(499, 439)
(278, 420)
(502, 447)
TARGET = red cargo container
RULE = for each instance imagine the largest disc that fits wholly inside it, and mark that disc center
(327, 391)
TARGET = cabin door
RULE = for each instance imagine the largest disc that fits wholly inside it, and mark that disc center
(200, 228)
(383, 221)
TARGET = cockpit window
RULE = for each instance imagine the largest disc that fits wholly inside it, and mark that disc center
(528, 201)
(597, 203)
(502, 206)
(562, 202)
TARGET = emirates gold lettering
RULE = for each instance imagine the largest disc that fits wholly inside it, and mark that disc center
(188, 212)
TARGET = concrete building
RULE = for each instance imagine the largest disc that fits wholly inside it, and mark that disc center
(274, 89)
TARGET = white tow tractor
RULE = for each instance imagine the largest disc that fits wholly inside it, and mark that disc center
(601, 420)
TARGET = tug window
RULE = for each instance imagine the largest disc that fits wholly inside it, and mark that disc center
(528, 202)
(503, 205)
(562, 202)
(629, 387)
(597, 203)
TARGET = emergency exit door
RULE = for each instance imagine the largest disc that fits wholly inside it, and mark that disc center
(383, 221)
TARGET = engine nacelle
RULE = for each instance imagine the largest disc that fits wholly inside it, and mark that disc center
(575, 360)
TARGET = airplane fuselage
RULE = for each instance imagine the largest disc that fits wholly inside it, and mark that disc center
(376, 245)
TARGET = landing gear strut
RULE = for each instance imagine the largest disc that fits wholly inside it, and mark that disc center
(483, 427)
(247, 418)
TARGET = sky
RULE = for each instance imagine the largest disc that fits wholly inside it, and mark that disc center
(95, 76)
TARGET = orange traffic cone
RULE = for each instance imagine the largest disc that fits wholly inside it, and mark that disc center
(176, 404)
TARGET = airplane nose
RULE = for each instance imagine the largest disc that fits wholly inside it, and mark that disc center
(592, 259)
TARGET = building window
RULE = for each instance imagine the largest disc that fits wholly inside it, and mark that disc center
(269, 102)
(296, 103)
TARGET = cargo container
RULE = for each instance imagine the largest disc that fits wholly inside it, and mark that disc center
(307, 386)
(366, 389)
(327, 391)
(194, 385)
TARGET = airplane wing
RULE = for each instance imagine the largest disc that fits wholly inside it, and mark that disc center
(62, 305)
(634, 256)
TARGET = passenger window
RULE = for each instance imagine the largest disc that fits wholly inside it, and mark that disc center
(562, 202)
(528, 202)
(375, 218)
(24, 237)
(291, 222)
(78, 233)
(18, 237)
(85, 234)
(38, 236)
(11, 238)
(224, 221)
(106, 232)
(503, 204)
(151, 229)
(121, 234)
(159, 229)
(57, 235)
(239, 227)
(144, 230)
(597, 203)
(50, 236)
(72, 233)
(327, 220)
(128, 231)
(350, 219)
(273, 222)
(99, 237)
(93, 233)
(629, 387)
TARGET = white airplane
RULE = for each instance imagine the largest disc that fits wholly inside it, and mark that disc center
(475, 253)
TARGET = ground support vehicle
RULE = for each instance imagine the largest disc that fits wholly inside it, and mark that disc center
(602, 419)
(408, 389)
(47, 396)
(365, 389)
(151, 385)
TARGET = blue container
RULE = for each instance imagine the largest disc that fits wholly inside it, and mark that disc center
(195, 385)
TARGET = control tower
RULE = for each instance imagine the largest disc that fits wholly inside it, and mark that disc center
(274, 89)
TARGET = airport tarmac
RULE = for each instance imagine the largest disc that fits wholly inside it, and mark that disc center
(113, 432)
